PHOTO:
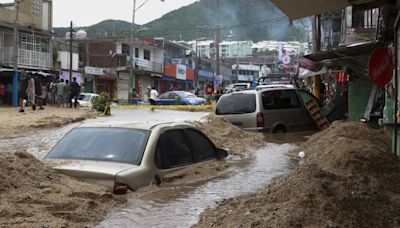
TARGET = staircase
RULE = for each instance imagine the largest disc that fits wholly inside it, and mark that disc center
(319, 119)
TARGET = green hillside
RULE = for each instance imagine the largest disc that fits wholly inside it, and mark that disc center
(239, 20)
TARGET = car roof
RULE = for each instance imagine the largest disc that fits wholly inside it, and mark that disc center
(252, 91)
(149, 125)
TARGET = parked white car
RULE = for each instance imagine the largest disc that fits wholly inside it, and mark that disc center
(85, 99)
(132, 155)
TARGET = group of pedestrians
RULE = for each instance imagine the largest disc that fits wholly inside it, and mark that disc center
(32, 91)
(63, 92)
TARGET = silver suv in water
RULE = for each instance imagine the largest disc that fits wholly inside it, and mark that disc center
(269, 110)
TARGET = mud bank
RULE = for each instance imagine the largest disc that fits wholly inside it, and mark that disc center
(34, 195)
(13, 123)
(229, 137)
(349, 179)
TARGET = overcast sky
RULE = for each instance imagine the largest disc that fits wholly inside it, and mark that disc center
(89, 12)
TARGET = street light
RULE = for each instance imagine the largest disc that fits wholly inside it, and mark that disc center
(131, 76)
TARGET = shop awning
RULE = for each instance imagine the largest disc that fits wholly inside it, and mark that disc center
(296, 9)
(348, 51)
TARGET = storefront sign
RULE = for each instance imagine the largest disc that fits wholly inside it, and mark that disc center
(176, 61)
(181, 72)
(94, 70)
(141, 62)
(380, 66)
(342, 77)
(206, 74)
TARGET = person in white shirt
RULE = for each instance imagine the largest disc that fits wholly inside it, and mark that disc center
(153, 96)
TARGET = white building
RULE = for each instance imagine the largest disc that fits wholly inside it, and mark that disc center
(246, 72)
(291, 47)
(227, 49)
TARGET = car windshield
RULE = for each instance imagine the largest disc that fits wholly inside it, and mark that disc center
(102, 144)
(236, 104)
(84, 97)
(184, 94)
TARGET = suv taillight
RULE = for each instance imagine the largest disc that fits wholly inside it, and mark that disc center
(260, 119)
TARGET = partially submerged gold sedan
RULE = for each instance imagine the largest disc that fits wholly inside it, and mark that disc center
(131, 156)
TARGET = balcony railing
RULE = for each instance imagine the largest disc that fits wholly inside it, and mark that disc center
(26, 58)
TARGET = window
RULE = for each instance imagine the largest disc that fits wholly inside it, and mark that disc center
(202, 147)
(146, 54)
(165, 96)
(236, 104)
(102, 144)
(36, 7)
(280, 99)
(136, 52)
(173, 150)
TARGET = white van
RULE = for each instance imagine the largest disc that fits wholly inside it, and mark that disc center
(269, 110)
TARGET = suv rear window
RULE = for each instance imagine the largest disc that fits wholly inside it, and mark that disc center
(236, 104)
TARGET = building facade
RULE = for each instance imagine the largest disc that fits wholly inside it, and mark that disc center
(34, 37)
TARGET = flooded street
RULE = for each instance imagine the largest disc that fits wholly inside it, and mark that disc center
(42, 141)
(185, 203)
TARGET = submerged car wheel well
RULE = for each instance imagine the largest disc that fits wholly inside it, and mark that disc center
(280, 128)
(157, 180)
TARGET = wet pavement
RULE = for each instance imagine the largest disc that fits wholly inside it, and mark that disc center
(177, 206)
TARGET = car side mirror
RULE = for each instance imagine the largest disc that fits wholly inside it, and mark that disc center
(221, 153)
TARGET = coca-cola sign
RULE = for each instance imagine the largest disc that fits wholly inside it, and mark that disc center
(380, 66)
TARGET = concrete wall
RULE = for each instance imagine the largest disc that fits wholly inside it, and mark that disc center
(359, 92)
(27, 16)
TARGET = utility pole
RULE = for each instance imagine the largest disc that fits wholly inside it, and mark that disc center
(132, 81)
(316, 27)
(217, 37)
(197, 60)
(15, 63)
(70, 52)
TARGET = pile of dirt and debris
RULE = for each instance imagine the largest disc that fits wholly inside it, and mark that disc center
(349, 178)
(34, 195)
(13, 124)
(229, 137)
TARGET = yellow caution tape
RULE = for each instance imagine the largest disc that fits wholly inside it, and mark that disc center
(174, 107)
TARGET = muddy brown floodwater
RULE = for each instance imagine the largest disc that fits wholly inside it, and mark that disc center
(182, 206)
(180, 203)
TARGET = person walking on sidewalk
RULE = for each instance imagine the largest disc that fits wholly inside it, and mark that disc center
(31, 92)
(60, 92)
(209, 91)
(2, 94)
(153, 97)
(66, 93)
(22, 90)
(75, 90)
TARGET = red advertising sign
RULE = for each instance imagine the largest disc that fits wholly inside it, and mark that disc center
(342, 77)
(380, 66)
